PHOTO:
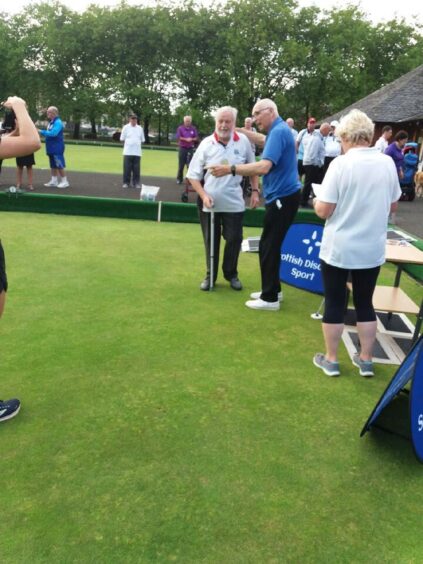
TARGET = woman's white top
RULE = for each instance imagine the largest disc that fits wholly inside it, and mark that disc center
(363, 184)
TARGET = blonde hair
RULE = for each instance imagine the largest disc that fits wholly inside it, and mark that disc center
(356, 127)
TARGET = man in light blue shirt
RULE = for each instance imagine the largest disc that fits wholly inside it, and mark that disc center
(313, 160)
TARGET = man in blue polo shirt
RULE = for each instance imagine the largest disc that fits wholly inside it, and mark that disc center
(281, 191)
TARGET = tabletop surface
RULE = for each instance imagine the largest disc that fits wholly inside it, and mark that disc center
(407, 253)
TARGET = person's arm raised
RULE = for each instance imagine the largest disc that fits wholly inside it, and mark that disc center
(27, 141)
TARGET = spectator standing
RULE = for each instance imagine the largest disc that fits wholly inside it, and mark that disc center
(248, 126)
(55, 149)
(290, 123)
(246, 182)
(356, 196)
(25, 141)
(132, 136)
(395, 151)
(187, 136)
(223, 195)
(309, 130)
(313, 161)
(281, 190)
(332, 146)
(383, 141)
(27, 161)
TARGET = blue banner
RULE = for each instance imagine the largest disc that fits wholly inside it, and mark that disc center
(416, 405)
(300, 264)
(410, 369)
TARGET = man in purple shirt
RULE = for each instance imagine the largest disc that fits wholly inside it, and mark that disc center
(187, 137)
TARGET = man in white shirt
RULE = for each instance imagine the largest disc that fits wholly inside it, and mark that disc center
(383, 141)
(332, 146)
(223, 195)
(132, 135)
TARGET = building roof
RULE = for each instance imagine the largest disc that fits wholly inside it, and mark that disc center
(399, 101)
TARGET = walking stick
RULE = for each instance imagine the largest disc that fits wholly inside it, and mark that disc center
(211, 250)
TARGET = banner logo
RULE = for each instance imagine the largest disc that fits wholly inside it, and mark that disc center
(300, 264)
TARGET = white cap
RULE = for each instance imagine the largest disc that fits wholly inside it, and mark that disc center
(334, 123)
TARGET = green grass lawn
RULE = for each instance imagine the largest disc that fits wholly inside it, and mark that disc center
(164, 424)
(86, 158)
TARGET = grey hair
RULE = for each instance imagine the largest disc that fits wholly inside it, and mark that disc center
(228, 109)
(53, 109)
(268, 103)
(356, 127)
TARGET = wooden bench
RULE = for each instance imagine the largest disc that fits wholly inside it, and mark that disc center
(394, 300)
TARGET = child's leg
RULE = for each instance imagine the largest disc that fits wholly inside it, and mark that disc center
(30, 177)
(19, 173)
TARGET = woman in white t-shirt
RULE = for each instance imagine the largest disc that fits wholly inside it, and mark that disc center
(357, 195)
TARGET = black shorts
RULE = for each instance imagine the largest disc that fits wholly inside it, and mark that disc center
(28, 160)
(3, 277)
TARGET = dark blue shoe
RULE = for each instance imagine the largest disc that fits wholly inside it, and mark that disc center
(9, 409)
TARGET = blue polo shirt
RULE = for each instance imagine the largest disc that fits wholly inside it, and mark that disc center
(282, 179)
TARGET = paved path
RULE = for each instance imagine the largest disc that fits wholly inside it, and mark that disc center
(409, 216)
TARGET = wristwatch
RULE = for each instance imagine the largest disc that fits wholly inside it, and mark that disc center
(233, 170)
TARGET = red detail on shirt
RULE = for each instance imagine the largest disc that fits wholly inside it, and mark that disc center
(235, 137)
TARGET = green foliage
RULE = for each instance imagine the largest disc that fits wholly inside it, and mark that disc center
(102, 63)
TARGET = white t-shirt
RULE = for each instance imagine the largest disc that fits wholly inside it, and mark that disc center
(363, 184)
(332, 146)
(133, 136)
(381, 144)
(226, 190)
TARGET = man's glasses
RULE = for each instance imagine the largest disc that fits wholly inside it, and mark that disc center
(258, 112)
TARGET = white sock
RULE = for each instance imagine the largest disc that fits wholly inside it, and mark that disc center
(54, 179)
(63, 179)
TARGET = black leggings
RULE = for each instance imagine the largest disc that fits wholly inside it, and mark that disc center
(335, 285)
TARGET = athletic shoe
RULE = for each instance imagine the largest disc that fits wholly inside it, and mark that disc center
(256, 296)
(261, 304)
(9, 409)
(235, 284)
(137, 187)
(328, 367)
(365, 366)
(125, 186)
(63, 184)
(51, 184)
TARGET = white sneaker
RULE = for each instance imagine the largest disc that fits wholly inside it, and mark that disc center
(63, 184)
(261, 304)
(256, 296)
(51, 184)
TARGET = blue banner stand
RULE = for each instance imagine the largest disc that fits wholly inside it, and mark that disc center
(411, 370)
(300, 263)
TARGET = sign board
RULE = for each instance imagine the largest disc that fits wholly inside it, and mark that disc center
(411, 369)
(300, 263)
(416, 404)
